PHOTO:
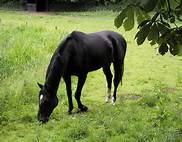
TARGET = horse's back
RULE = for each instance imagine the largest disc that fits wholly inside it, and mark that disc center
(113, 43)
(95, 48)
(89, 52)
(100, 40)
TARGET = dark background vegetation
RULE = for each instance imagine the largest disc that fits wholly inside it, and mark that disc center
(66, 5)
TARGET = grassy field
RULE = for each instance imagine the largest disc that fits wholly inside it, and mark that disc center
(149, 104)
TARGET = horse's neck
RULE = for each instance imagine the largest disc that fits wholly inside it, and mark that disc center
(54, 75)
(57, 67)
(52, 84)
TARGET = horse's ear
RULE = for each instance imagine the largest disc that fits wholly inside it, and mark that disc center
(40, 85)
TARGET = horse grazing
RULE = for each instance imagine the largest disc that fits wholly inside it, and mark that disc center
(78, 54)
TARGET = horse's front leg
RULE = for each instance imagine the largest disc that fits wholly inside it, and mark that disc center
(67, 80)
(81, 81)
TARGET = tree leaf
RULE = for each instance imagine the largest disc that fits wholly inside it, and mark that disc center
(155, 16)
(174, 50)
(163, 48)
(179, 46)
(129, 21)
(152, 43)
(150, 5)
(139, 15)
(153, 33)
(143, 23)
(118, 21)
(165, 23)
(142, 33)
(161, 4)
(162, 28)
(164, 15)
(172, 19)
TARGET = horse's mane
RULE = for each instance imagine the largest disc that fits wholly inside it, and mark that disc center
(56, 67)
(59, 50)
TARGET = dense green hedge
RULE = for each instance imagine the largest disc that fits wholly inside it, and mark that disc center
(68, 5)
(6, 1)
(84, 1)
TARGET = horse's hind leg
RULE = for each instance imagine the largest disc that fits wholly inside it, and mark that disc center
(118, 69)
(108, 75)
(81, 81)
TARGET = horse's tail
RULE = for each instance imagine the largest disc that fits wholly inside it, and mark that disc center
(119, 47)
(124, 49)
(119, 51)
(125, 46)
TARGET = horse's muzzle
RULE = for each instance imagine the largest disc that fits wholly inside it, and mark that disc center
(42, 119)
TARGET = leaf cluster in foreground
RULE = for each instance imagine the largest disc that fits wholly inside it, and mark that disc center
(161, 28)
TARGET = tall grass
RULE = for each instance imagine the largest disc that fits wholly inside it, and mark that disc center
(148, 105)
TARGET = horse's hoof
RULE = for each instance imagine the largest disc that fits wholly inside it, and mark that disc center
(84, 109)
(69, 112)
(113, 101)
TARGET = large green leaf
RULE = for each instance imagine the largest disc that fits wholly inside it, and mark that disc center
(162, 28)
(174, 50)
(161, 4)
(155, 16)
(172, 19)
(129, 21)
(164, 14)
(143, 33)
(178, 11)
(139, 15)
(165, 23)
(163, 48)
(153, 33)
(178, 35)
(179, 46)
(118, 21)
(152, 43)
(143, 23)
(174, 3)
(150, 5)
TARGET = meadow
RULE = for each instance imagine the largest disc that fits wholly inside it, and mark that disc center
(149, 103)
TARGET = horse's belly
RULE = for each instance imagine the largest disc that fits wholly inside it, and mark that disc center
(84, 64)
(99, 56)
(77, 69)
(98, 63)
(74, 69)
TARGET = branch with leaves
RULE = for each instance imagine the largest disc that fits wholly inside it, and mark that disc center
(160, 28)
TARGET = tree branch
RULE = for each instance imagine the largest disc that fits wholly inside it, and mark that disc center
(169, 7)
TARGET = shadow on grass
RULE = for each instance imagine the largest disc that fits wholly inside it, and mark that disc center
(169, 90)
(129, 96)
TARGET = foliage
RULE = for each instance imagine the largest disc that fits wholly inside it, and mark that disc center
(84, 1)
(104, 2)
(161, 28)
(5, 1)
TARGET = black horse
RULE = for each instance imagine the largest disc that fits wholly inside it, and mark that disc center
(78, 54)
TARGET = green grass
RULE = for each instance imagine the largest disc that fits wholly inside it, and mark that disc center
(149, 102)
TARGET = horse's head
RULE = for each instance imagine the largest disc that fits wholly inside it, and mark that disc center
(47, 103)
